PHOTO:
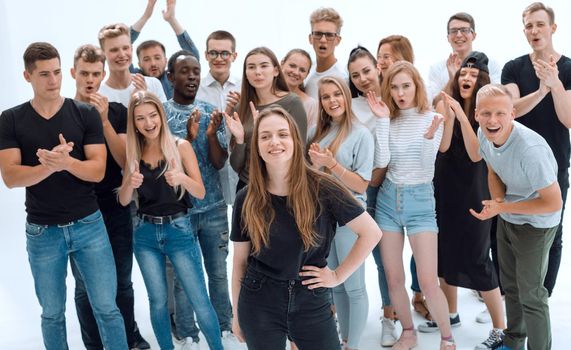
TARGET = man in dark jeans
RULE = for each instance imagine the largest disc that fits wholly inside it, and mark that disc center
(540, 83)
(88, 72)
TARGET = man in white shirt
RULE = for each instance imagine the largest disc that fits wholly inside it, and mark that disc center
(325, 36)
(461, 30)
(115, 41)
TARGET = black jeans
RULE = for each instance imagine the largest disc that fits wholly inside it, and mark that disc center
(120, 230)
(270, 311)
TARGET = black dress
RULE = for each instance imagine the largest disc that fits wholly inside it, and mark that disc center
(463, 241)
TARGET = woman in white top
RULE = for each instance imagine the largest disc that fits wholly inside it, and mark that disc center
(364, 83)
(295, 68)
(405, 202)
(340, 145)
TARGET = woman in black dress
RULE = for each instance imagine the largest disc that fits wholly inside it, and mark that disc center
(461, 183)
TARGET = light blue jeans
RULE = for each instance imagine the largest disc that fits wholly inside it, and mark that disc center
(350, 297)
(211, 229)
(153, 243)
(84, 241)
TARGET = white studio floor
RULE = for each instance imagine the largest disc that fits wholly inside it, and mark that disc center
(20, 311)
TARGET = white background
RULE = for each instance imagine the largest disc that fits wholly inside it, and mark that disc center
(281, 26)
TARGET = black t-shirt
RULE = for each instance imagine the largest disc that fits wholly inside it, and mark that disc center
(284, 257)
(113, 177)
(61, 197)
(156, 196)
(543, 118)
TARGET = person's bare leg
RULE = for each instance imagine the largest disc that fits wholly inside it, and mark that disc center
(451, 294)
(495, 305)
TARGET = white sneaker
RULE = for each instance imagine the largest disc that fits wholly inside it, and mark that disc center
(230, 342)
(484, 317)
(189, 344)
(388, 333)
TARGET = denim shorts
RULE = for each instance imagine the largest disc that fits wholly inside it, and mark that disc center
(410, 207)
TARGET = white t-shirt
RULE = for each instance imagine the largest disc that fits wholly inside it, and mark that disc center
(212, 92)
(337, 70)
(124, 95)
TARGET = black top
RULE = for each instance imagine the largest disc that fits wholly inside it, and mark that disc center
(112, 180)
(156, 196)
(61, 197)
(543, 118)
(284, 257)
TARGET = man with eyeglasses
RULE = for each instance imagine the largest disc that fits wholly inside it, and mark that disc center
(325, 36)
(151, 53)
(221, 88)
(461, 30)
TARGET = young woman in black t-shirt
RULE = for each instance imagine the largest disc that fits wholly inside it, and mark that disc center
(162, 172)
(282, 228)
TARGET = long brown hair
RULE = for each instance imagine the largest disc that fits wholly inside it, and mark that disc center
(248, 92)
(420, 97)
(324, 122)
(303, 182)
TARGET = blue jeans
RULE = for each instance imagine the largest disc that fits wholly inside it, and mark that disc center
(270, 311)
(211, 228)
(153, 243)
(86, 243)
(119, 227)
(372, 193)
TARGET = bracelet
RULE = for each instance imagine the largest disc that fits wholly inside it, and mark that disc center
(343, 173)
(336, 163)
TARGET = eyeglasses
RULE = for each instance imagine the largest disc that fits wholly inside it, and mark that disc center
(328, 35)
(464, 30)
(213, 54)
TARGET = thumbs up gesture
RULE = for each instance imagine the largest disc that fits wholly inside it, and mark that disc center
(174, 175)
(136, 176)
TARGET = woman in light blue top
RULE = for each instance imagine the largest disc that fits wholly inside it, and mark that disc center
(340, 145)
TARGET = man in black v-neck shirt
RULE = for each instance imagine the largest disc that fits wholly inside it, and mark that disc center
(88, 72)
(53, 147)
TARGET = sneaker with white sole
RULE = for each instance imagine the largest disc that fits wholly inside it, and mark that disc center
(388, 332)
(494, 341)
(431, 326)
(230, 342)
(189, 344)
(484, 317)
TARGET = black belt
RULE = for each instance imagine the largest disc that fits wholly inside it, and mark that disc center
(159, 220)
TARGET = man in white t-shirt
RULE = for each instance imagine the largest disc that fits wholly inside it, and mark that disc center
(325, 36)
(115, 41)
(461, 31)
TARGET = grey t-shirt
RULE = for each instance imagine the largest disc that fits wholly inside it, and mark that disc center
(525, 164)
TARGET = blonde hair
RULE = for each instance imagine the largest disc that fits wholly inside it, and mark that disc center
(324, 122)
(420, 97)
(492, 90)
(326, 14)
(111, 31)
(136, 141)
(538, 6)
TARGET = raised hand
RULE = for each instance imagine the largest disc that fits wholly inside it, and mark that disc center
(453, 63)
(101, 103)
(139, 82)
(254, 111)
(174, 175)
(547, 72)
(232, 99)
(492, 207)
(453, 107)
(434, 125)
(192, 125)
(235, 126)
(378, 107)
(169, 12)
(321, 157)
(214, 124)
(320, 277)
(136, 179)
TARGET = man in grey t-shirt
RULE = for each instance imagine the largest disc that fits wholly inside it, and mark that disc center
(522, 176)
